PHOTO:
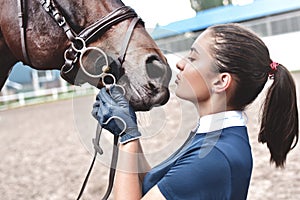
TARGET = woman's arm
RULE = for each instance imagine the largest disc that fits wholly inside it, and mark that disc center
(131, 170)
(132, 166)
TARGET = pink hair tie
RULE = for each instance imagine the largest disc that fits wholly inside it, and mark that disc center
(274, 65)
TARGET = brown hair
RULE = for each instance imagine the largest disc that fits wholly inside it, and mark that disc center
(242, 53)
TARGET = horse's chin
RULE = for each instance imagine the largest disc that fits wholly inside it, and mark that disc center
(141, 98)
(146, 102)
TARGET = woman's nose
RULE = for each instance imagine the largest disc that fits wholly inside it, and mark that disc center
(180, 64)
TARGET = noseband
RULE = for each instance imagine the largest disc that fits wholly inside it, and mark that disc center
(75, 52)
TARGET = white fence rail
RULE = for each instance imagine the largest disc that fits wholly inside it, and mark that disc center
(44, 95)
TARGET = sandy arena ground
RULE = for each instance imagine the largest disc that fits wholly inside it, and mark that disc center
(44, 151)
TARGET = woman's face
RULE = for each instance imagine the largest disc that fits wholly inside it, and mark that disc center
(194, 81)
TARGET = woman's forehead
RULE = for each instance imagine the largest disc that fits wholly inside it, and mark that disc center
(202, 44)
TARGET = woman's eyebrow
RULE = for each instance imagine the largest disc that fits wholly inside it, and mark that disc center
(193, 49)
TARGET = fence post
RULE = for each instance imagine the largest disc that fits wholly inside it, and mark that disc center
(54, 93)
(21, 99)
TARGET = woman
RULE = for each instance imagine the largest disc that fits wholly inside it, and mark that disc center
(224, 72)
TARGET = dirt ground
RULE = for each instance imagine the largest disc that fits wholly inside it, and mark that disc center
(45, 151)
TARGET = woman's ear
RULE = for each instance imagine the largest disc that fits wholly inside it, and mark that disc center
(222, 82)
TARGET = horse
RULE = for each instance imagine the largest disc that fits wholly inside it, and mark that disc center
(64, 35)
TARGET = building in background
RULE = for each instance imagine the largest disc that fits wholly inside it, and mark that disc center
(276, 21)
(22, 78)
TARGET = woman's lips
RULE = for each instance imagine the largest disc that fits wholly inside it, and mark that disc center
(177, 79)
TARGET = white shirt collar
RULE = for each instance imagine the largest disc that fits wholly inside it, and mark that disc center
(219, 121)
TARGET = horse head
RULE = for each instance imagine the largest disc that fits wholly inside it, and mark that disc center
(143, 71)
(133, 58)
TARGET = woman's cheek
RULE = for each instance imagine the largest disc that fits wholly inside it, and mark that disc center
(199, 87)
(191, 87)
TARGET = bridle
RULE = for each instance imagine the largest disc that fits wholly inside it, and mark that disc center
(79, 41)
(75, 52)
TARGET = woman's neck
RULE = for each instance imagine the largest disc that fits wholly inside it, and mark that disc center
(209, 108)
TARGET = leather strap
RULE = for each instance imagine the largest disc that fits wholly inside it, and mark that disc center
(102, 25)
(23, 26)
(113, 164)
(50, 7)
(113, 167)
(127, 39)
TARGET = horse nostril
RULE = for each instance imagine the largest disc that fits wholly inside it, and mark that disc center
(154, 67)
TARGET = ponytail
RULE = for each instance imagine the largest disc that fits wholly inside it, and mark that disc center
(279, 124)
(251, 66)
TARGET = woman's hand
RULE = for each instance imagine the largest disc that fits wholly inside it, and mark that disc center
(112, 111)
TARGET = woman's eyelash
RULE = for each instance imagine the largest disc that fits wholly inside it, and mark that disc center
(191, 59)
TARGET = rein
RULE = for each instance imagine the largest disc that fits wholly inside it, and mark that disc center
(113, 164)
(75, 52)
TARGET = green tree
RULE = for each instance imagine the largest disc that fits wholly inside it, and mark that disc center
(199, 5)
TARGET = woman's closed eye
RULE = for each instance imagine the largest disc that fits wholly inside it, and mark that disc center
(191, 59)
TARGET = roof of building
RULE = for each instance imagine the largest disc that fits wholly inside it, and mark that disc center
(226, 14)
